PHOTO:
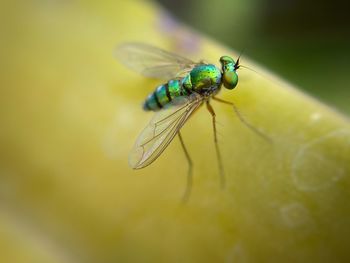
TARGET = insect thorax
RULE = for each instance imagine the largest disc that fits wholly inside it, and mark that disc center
(205, 77)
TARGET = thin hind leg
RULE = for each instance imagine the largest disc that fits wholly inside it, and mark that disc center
(189, 183)
(218, 154)
(242, 119)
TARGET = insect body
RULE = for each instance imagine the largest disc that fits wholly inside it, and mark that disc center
(203, 79)
(188, 86)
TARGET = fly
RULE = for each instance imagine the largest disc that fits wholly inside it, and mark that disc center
(190, 85)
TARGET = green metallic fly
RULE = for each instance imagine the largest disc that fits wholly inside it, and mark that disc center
(189, 86)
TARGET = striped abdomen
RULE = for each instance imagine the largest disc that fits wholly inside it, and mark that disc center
(164, 94)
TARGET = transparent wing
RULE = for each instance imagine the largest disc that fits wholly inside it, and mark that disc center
(161, 130)
(153, 62)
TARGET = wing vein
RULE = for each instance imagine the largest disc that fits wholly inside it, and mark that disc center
(159, 133)
(153, 62)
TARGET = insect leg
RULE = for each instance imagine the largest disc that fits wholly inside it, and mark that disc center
(218, 154)
(188, 189)
(242, 119)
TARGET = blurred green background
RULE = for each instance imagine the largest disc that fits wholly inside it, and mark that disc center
(306, 42)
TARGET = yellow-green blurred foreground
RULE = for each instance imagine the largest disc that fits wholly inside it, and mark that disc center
(70, 114)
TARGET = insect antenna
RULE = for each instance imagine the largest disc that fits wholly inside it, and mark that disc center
(242, 66)
(237, 65)
(258, 73)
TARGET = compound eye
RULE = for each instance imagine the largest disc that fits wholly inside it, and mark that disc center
(230, 79)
